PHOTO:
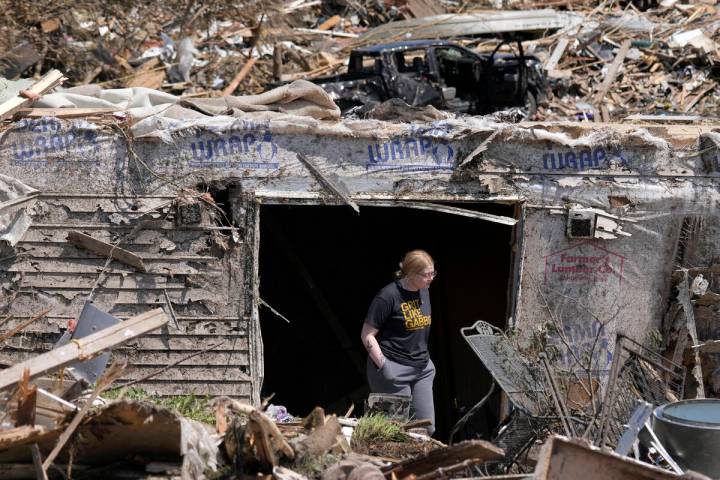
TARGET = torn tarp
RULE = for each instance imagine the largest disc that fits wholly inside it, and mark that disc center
(299, 98)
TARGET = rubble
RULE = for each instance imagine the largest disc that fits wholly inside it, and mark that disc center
(149, 168)
(658, 60)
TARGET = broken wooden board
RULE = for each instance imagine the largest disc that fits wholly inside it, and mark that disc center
(335, 185)
(65, 112)
(557, 53)
(25, 434)
(106, 249)
(49, 81)
(612, 72)
(561, 458)
(472, 451)
(85, 348)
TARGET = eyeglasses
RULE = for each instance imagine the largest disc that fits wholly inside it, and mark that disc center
(428, 275)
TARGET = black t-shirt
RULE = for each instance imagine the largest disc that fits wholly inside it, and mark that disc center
(402, 318)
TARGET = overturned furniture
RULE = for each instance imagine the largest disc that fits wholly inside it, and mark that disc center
(533, 414)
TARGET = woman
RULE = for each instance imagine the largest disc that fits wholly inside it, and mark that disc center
(395, 334)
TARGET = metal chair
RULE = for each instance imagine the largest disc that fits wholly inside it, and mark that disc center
(533, 413)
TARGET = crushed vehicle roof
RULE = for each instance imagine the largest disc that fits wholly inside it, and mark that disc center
(404, 45)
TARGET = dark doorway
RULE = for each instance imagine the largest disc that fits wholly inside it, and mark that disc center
(320, 267)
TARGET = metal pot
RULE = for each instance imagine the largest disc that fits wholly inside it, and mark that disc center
(690, 432)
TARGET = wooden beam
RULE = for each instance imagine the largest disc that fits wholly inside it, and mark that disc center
(557, 54)
(49, 81)
(85, 348)
(612, 72)
(106, 249)
(230, 89)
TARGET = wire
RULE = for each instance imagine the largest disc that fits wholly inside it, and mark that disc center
(461, 423)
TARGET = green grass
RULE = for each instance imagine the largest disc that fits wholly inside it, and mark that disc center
(375, 428)
(191, 406)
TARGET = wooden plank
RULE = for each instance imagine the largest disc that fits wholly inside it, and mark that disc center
(190, 373)
(230, 89)
(66, 112)
(92, 265)
(332, 33)
(172, 387)
(187, 328)
(612, 72)
(557, 54)
(473, 451)
(83, 281)
(187, 342)
(48, 81)
(106, 249)
(561, 458)
(86, 347)
(217, 358)
(123, 205)
(150, 359)
(78, 253)
(12, 436)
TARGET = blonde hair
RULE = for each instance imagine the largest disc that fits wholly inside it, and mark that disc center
(414, 262)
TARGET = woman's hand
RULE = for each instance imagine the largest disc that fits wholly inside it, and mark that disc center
(367, 335)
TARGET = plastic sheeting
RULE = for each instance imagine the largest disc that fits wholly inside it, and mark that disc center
(16, 199)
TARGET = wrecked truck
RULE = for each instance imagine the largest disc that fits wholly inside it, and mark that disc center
(438, 73)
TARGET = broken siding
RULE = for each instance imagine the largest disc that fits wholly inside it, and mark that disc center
(192, 263)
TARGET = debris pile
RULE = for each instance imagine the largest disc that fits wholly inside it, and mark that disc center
(631, 60)
(622, 59)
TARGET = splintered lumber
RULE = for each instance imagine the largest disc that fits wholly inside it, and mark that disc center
(230, 89)
(269, 439)
(24, 324)
(471, 452)
(106, 249)
(554, 59)
(612, 72)
(24, 434)
(561, 458)
(48, 81)
(26, 401)
(334, 185)
(113, 373)
(85, 348)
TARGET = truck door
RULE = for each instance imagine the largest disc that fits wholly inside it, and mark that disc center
(413, 82)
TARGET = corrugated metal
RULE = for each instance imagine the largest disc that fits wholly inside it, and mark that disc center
(192, 263)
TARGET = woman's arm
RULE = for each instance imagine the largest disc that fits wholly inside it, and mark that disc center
(371, 344)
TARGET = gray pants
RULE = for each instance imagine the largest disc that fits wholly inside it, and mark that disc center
(400, 379)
